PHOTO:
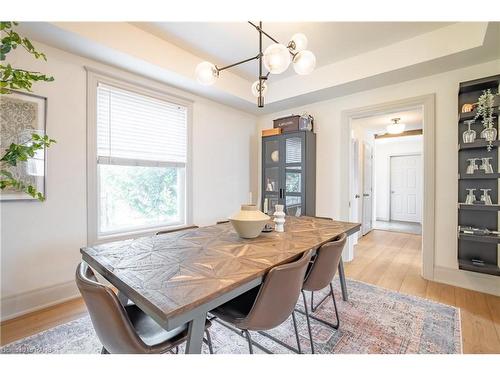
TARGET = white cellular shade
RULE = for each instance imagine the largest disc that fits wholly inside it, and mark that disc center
(131, 126)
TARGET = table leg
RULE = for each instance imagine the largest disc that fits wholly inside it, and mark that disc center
(122, 298)
(195, 334)
(343, 285)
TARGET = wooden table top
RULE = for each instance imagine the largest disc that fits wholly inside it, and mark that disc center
(175, 272)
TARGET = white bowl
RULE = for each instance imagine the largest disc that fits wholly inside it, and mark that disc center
(249, 222)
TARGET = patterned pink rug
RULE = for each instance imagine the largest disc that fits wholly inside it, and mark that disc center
(374, 320)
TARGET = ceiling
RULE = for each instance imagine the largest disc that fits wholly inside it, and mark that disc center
(227, 42)
(377, 124)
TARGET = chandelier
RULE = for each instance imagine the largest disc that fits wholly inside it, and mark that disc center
(276, 59)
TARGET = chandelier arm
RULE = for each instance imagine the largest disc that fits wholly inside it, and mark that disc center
(237, 63)
(263, 32)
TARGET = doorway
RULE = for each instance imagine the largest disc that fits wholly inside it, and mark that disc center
(427, 152)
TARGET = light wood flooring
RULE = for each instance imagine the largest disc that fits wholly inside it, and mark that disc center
(387, 259)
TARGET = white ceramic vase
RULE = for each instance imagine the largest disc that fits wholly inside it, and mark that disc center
(249, 221)
(279, 218)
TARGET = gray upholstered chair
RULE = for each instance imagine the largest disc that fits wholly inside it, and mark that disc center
(126, 329)
(319, 275)
(270, 304)
(177, 229)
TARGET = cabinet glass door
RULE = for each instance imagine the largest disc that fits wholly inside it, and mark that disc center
(271, 182)
(294, 184)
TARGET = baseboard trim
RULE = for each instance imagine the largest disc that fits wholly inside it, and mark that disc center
(469, 280)
(24, 303)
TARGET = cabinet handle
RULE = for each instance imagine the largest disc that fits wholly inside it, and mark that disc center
(281, 194)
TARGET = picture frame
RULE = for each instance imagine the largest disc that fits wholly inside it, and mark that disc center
(23, 114)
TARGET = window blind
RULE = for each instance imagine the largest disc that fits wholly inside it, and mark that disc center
(135, 129)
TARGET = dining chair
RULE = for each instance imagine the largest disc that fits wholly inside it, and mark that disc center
(126, 329)
(177, 229)
(343, 284)
(319, 275)
(268, 305)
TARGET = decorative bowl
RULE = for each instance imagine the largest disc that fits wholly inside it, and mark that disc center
(249, 221)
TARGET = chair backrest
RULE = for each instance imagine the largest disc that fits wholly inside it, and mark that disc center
(108, 316)
(278, 294)
(177, 229)
(325, 264)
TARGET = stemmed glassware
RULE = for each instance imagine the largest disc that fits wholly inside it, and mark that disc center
(469, 136)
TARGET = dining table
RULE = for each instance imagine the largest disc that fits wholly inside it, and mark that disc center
(178, 277)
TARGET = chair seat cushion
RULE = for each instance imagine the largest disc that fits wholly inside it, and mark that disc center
(153, 334)
(236, 310)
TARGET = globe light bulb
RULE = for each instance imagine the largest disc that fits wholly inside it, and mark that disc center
(206, 73)
(304, 62)
(255, 88)
(396, 127)
(276, 58)
(298, 42)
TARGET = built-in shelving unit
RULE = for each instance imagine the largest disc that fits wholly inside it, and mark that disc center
(477, 253)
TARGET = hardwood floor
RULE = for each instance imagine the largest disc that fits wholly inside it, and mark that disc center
(387, 259)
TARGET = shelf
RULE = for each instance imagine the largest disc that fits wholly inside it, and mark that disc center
(478, 176)
(467, 265)
(464, 116)
(479, 84)
(477, 238)
(479, 207)
(479, 143)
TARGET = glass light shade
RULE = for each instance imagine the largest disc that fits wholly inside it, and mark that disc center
(304, 62)
(396, 128)
(206, 73)
(276, 58)
(300, 41)
(255, 89)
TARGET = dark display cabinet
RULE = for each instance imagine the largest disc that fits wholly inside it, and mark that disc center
(289, 173)
(477, 246)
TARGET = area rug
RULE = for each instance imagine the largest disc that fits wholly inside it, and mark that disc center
(374, 320)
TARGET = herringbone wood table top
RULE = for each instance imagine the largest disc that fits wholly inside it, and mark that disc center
(175, 272)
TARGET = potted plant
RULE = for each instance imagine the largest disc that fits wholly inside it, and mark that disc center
(12, 78)
(485, 109)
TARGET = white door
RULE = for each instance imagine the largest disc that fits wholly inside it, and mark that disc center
(367, 189)
(406, 188)
(354, 201)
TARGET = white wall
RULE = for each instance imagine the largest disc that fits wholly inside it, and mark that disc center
(383, 150)
(40, 242)
(330, 160)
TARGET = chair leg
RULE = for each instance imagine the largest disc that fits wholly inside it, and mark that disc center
(249, 339)
(308, 322)
(209, 342)
(335, 326)
(312, 302)
(296, 332)
(104, 351)
(177, 349)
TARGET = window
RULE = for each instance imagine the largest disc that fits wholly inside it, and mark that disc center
(141, 152)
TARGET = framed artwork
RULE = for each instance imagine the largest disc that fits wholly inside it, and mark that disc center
(23, 114)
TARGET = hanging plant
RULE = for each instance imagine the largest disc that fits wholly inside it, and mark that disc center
(485, 110)
(12, 78)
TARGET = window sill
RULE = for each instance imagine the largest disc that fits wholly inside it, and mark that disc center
(135, 233)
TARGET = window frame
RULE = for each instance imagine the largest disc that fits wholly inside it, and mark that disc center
(140, 86)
